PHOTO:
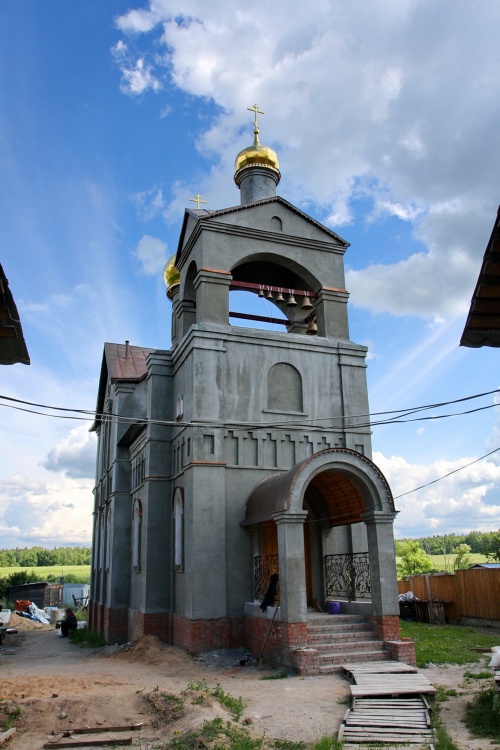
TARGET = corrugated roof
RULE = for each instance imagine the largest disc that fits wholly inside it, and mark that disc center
(482, 327)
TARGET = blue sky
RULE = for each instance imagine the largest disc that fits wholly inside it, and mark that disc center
(385, 119)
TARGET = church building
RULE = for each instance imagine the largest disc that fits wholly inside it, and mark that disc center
(240, 453)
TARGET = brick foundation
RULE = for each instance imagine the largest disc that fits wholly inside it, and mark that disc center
(115, 624)
(388, 631)
(283, 643)
(402, 651)
(203, 635)
(149, 623)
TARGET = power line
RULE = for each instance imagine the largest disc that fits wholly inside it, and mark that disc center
(401, 418)
(439, 479)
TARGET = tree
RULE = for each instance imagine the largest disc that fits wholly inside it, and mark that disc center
(462, 559)
(492, 547)
(413, 559)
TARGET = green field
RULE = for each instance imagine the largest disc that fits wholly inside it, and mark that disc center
(439, 561)
(82, 571)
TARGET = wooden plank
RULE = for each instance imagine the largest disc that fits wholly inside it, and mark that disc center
(97, 730)
(364, 690)
(4, 736)
(410, 731)
(90, 743)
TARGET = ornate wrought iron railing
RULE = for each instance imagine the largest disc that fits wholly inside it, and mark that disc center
(264, 567)
(348, 575)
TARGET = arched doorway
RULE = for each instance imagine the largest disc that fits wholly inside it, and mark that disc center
(331, 490)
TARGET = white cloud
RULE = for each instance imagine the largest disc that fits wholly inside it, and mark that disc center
(137, 73)
(458, 503)
(373, 97)
(74, 455)
(50, 514)
(151, 252)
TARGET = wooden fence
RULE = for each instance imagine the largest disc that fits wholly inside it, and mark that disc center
(467, 593)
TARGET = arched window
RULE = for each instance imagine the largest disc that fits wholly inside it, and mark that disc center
(102, 532)
(136, 535)
(178, 505)
(276, 224)
(284, 388)
(107, 559)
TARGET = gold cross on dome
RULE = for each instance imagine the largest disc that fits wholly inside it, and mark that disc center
(255, 109)
(198, 199)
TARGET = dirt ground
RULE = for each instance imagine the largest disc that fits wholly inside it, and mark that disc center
(58, 685)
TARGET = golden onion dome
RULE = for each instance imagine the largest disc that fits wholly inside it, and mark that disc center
(171, 276)
(256, 155)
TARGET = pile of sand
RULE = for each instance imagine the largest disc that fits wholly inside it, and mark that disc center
(24, 623)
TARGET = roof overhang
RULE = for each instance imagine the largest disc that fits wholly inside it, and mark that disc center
(13, 347)
(482, 327)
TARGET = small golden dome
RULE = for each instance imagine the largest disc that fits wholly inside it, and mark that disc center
(171, 276)
(256, 155)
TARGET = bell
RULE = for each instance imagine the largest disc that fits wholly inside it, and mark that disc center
(261, 292)
(312, 328)
(291, 301)
(307, 304)
(270, 295)
(280, 297)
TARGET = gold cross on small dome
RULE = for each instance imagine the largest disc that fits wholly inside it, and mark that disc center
(255, 109)
(198, 199)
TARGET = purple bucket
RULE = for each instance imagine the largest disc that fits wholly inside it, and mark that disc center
(334, 608)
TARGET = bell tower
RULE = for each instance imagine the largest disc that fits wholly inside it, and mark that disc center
(244, 452)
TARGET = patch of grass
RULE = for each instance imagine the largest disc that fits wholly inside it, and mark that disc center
(87, 638)
(289, 745)
(219, 735)
(276, 675)
(235, 705)
(482, 715)
(327, 743)
(8, 716)
(78, 573)
(446, 644)
(484, 675)
(167, 705)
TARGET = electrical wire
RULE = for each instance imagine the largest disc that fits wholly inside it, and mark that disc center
(92, 415)
(439, 479)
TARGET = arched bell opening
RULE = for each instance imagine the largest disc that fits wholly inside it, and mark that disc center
(284, 295)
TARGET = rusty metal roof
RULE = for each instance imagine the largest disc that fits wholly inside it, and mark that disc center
(13, 347)
(482, 327)
(120, 362)
(125, 362)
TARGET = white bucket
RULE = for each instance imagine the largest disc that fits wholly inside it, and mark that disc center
(56, 614)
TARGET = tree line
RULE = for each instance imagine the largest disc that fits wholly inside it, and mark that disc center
(415, 554)
(483, 543)
(38, 557)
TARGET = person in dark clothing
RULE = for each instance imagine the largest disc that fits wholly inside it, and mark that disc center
(69, 623)
(270, 596)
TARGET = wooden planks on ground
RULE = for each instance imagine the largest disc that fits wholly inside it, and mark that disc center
(393, 721)
(378, 667)
(391, 684)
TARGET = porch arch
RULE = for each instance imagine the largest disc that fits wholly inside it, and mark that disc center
(353, 490)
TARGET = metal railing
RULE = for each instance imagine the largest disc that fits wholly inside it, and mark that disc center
(348, 575)
(264, 567)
